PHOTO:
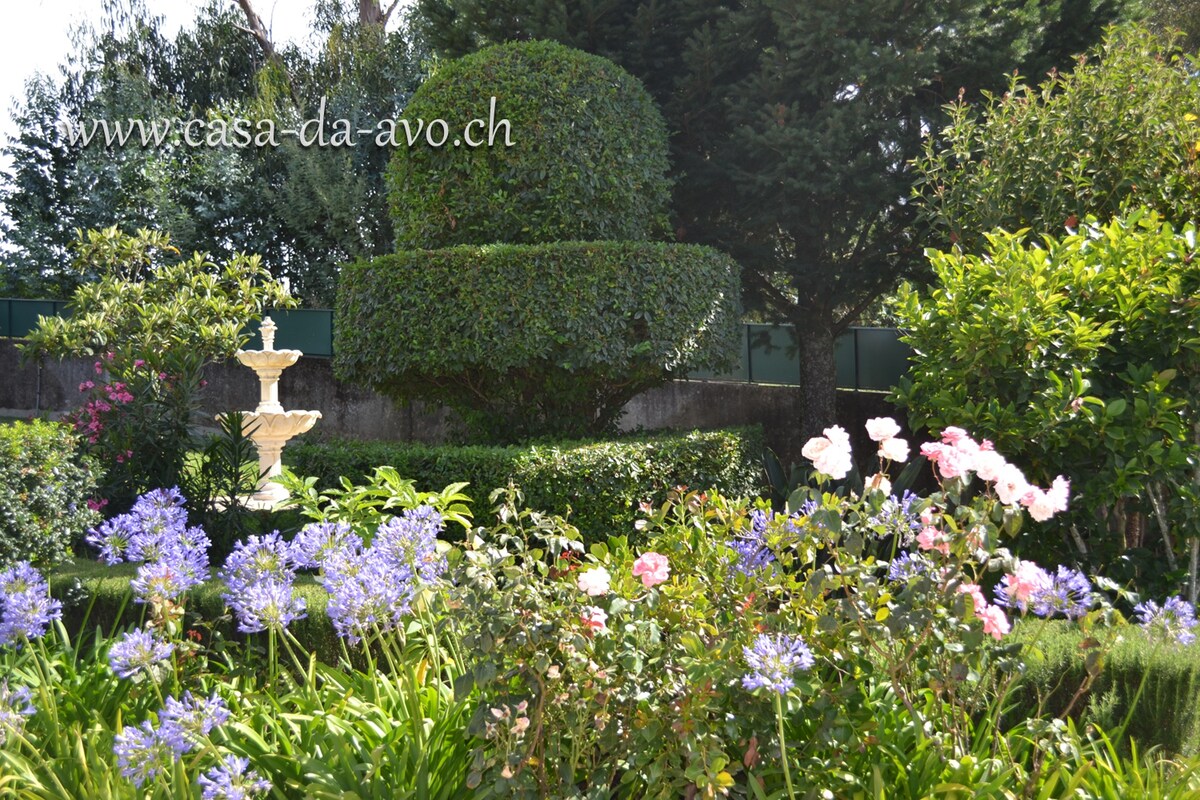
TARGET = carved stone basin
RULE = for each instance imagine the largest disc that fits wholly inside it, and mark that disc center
(267, 425)
(259, 360)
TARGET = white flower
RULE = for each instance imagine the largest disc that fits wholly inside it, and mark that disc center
(989, 464)
(830, 453)
(880, 429)
(894, 450)
(594, 581)
(1011, 485)
(880, 481)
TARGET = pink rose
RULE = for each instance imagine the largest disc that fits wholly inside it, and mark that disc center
(1011, 485)
(988, 464)
(882, 428)
(652, 568)
(830, 453)
(952, 435)
(1025, 581)
(932, 539)
(594, 581)
(594, 618)
(976, 594)
(995, 623)
(1059, 493)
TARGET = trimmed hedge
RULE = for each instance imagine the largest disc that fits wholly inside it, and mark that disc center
(1167, 714)
(534, 340)
(45, 483)
(601, 482)
(588, 154)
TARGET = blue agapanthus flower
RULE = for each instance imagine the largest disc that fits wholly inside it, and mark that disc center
(26, 607)
(185, 722)
(906, 566)
(141, 753)
(15, 705)
(900, 518)
(268, 604)
(137, 652)
(773, 660)
(318, 541)
(233, 780)
(1069, 593)
(1175, 618)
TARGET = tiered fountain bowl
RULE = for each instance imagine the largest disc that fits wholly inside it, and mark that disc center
(269, 425)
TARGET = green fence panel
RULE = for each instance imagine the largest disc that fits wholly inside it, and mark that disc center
(23, 315)
(740, 371)
(845, 358)
(309, 330)
(886, 358)
(774, 357)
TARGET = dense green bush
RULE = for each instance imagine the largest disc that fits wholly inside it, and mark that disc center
(1120, 129)
(45, 486)
(1167, 713)
(528, 340)
(588, 158)
(1077, 355)
(601, 482)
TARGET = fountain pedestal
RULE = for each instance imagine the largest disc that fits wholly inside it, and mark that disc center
(269, 425)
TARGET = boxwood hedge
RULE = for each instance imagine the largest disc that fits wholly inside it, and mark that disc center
(600, 482)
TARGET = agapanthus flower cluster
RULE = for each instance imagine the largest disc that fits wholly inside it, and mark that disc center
(907, 566)
(145, 752)
(372, 588)
(1175, 618)
(753, 546)
(1066, 592)
(774, 660)
(232, 781)
(320, 540)
(958, 455)
(155, 532)
(26, 607)
(15, 705)
(138, 652)
(899, 517)
(259, 576)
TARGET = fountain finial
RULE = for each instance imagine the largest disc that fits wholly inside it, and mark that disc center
(268, 329)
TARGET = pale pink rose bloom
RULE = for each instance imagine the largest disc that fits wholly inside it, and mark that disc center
(995, 623)
(595, 618)
(953, 463)
(933, 451)
(988, 464)
(1011, 485)
(1040, 504)
(927, 517)
(1025, 581)
(882, 428)
(1059, 493)
(894, 450)
(932, 539)
(520, 725)
(830, 453)
(594, 581)
(880, 481)
(652, 568)
(976, 594)
(953, 435)
(986, 444)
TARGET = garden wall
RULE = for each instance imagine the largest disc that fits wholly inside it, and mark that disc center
(350, 411)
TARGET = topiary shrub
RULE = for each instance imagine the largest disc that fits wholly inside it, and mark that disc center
(588, 158)
(526, 340)
(45, 485)
(601, 482)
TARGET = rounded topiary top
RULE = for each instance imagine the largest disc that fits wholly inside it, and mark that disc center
(588, 158)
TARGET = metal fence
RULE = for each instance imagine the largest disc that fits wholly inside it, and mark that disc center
(871, 359)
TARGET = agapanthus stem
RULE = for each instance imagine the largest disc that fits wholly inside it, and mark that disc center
(787, 770)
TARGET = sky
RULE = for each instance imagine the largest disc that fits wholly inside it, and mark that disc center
(35, 35)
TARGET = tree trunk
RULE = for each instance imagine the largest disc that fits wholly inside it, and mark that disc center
(818, 379)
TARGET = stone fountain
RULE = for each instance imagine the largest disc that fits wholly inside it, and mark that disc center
(269, 425)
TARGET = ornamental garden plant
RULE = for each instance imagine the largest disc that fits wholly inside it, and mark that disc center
(851, 643)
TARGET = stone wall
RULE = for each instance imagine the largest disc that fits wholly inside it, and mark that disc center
(360, 413)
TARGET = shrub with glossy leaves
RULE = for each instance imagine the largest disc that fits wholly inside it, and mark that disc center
(45, 486)
(588, 154)
(528, 340)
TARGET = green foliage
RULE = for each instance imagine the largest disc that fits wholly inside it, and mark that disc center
(1120, 130)
(152, 326)
(527, 340)
(601, 483)
(1167, 714)
(792, 124)
(216, 476)
(587, 161)
(1078, 356)
(305, 209)
(45, 486)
